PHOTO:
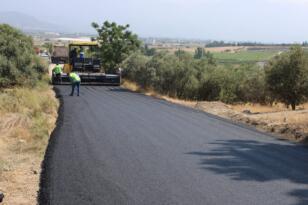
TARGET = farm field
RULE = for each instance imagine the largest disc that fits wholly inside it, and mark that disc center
(245, 56)
(234, 54)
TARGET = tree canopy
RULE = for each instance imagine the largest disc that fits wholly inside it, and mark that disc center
(287, 77)
(116, 44)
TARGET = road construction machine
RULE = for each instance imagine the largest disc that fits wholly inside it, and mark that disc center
(83, 58)
(59, 55)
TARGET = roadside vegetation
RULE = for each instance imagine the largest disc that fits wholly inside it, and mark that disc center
(199, 77)
(287, 77)
(28, 111)
(18, 63)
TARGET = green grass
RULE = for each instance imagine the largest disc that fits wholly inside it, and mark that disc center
(245, 56)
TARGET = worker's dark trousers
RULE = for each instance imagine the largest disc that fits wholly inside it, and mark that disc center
(58, 78)
(75, 84)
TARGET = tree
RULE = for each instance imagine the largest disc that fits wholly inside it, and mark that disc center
(133, 66)
(18, 63)
(179, 53)
(199, 53)
(49, 47)
(210, 58)
(286, 77)
(183, 55)
(116, 44)
(148, 51)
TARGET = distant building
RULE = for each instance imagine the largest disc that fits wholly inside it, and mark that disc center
(64, 39)
(52, 33)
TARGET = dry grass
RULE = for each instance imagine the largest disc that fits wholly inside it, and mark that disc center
(27, 117)
(255, 108)
(287, 124)
(278, 115)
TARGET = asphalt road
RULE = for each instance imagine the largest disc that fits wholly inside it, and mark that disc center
(112, 146)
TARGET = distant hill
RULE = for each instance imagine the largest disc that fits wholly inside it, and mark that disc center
(28, 23)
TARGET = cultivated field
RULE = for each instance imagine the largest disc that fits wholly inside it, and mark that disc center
(245, 56)
(233, 54)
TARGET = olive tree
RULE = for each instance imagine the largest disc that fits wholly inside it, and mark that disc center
(286, 77)
(116, 43)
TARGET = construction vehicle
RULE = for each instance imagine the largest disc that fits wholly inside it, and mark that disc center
(59, 55)
(83, 59)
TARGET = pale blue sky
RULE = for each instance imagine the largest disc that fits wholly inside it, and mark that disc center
(239, 20)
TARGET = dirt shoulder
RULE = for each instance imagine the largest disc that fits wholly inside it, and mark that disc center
(27, 117)
(284, 123)
(277, 119)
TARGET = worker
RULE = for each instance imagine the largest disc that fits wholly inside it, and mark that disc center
(81, 55)
(75, 80)
(73, 56)
(57, 71)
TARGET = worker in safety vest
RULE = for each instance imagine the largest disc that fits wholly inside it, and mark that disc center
(57, 71)
(75, 80)
(73, 56)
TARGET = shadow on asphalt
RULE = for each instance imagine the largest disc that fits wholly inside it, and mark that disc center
(250, 160)
(301, 195)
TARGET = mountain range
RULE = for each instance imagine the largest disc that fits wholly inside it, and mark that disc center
(29, 23)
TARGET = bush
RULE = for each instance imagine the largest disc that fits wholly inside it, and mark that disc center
(181, 75)
(18, 63)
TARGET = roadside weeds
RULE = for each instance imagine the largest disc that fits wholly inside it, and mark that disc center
(28, 116)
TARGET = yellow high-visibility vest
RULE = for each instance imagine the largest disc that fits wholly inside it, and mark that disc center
(57, 70)
(74, 77)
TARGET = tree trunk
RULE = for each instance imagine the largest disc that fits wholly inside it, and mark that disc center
(293, 106)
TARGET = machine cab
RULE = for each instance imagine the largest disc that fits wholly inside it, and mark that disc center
(83, 57)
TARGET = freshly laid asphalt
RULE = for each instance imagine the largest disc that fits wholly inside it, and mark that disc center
(113, 146)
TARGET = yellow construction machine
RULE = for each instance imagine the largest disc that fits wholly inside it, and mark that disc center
(83, 58)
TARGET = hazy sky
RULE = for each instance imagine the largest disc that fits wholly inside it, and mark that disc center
(240, 20)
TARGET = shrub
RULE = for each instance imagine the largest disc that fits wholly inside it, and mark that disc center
(18, 63)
